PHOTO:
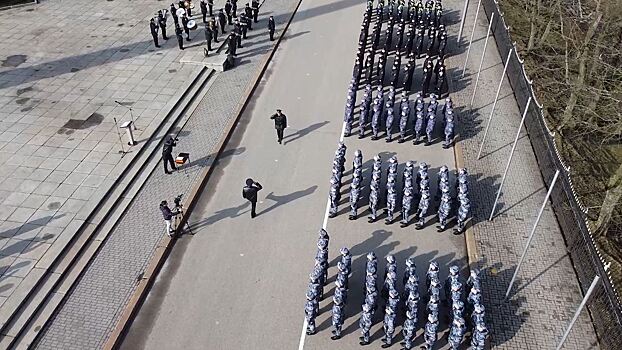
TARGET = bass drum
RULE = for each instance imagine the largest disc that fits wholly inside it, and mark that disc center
(192, 24)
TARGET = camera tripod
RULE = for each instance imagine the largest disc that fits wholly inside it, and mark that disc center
(179, 209)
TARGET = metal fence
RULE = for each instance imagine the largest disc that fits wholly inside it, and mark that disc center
(604, 305)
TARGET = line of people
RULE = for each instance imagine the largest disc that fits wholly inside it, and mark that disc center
(410, 182)
(407, 302)
(382, 111)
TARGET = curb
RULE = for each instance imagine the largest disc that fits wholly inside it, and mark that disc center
(164, 248)
(469, 235)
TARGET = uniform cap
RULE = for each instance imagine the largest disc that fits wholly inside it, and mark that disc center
(433, 318)
(433, 266)
(393, 293)
(371, 256)
(366, 307)
(344, 251)
(390, 259)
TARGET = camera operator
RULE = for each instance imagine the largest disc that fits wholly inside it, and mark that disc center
(249, 192)
(167, 153)
(168, 215)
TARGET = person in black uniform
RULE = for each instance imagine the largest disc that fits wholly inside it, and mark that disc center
(210, 6)
(153, 27)
(228, 9)
(232, 44)
(234, 8)
(209, 35)
(237, 29)
(167, 154)
(203, 5)
(214, 27)
(249, 192)
(184, 22)
(222, 20)
(174, 15)
(280, 123)
(162, 24)
(271, 27)
(255, 7)
(248, 11)
(180, 37)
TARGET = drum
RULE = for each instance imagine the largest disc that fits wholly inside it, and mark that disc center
(192, 24)
(180, 12)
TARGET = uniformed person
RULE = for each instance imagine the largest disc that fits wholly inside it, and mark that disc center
(203, 5)
(463, 214)
(411, 270)
(389, 123)
(232, 46)
(162, 24)
(429, 129)
(422, 209)
(209, 35)
(337, 319)
(409, 329)
(478, 339)
(365, 323)
(449, 129)
(184, 23)
(228, 11)
(389, 327)
(310, 314)
(376, 116)
(374, 195)
(280, 123)
(427, 77)
(444, 209)
(153, 27)
(405, 114)
(418, 127)
(234, 8)
(431, 328)
(248, 12)
(456, 333)
(406, 203)
(354, 197)
(180, 38)
(222, 20)
(255, 7)
(271, 27)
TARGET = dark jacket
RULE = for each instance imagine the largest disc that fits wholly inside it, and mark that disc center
(166, 212)
(280, 121)
(271, 25)
(168, 146)
(203, 7)
(250, 192)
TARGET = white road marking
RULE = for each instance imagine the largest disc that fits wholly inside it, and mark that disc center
(303, 334)
(241, 254)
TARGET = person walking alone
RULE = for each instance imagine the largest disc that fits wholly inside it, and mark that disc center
(249, 192)
(280, 123)
(271, 27)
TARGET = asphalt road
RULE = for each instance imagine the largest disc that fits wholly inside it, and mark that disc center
(239, 283)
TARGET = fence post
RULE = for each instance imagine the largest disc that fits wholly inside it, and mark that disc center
(481, 62)
(578, 312)
(507, 166)
(464, 12)
(533, 230)
(471, 40)
(494, 105)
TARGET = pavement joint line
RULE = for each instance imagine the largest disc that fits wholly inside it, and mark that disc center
(163, 249)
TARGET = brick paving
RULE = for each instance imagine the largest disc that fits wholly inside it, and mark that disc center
(62, 66)
(90, 312)
(547, 292)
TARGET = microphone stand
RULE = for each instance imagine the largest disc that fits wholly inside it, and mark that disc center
(131, 113)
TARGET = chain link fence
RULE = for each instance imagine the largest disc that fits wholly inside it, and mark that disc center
(604, 304)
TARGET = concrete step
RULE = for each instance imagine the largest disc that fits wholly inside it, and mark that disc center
(65, 260)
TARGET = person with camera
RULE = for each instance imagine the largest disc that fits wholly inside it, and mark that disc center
(249, 192)
(168, 215)
(167, 153)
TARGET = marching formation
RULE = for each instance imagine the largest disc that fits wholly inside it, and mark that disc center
(407, 302)
(425, 37)
(415, 189)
